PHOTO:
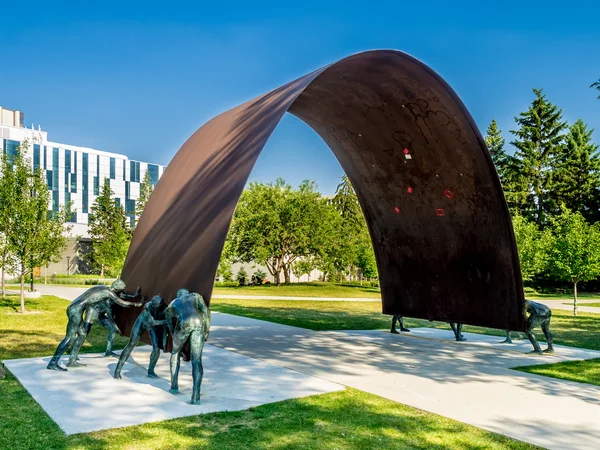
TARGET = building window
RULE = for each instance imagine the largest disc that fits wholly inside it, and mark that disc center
(84, 183)
(130, 206)
(55, 201)
(124, 165)
(96, 186)
(49, 179)
(36, 156)
(11, 148)
(112, 168)
(84, 202)
(117, 201)
(153, 173)
(73, 182)
(67, 161)
(55, 169)
(45, 155)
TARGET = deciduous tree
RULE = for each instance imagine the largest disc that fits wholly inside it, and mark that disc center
(146, 189)
(575, 250)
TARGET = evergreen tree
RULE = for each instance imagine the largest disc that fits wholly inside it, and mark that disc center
(495, 144)
(577, 178)
(146, 189)
(109, 232)
(597, 86)
(539, 138)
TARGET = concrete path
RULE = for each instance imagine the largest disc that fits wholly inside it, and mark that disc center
(467, 381)
(560, 304)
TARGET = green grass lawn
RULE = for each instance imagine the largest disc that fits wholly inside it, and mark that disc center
(349, 419)
(582, 371)
(314, 289)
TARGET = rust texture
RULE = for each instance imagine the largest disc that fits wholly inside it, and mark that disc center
(438, 219)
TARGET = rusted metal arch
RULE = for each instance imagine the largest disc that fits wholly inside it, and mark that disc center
(436, 212)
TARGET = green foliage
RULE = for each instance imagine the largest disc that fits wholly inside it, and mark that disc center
(242, 276)
(539, 139)
(276, 225)
(146, 189)
(109, 232)
(577, 175)
(224, 270)
(597, 86)
(304, 266)
(258, 277)
(495, 144)
(532, 245)
(574, 250)
(34, 236)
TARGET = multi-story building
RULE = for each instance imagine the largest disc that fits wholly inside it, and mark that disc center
(76, 174)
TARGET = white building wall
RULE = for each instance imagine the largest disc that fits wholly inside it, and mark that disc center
(124, 186)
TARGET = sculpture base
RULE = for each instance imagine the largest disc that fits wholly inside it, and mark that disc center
(89, 399)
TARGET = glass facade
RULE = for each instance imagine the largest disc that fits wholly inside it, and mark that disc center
(153, 173)
(36, 156)
(10, 148)
(72, 178)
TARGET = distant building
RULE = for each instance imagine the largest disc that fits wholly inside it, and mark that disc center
(76, 174)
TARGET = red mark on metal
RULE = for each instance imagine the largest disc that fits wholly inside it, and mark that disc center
(439, 212)
(397, 210)
(409, 190)
(448, 193)
(406, 151)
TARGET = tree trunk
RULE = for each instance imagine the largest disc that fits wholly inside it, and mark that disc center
(286, 275)
(102, 271)
(575, 298)
(3, 282)
(22, 292)
(276, 278)
(31, 282)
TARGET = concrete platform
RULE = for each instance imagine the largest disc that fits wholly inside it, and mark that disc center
(89, 399)
(470, 381)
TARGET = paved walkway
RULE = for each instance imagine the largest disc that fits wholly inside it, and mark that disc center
(467, 381)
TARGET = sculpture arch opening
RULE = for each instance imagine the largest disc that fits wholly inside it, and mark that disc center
(431, 197)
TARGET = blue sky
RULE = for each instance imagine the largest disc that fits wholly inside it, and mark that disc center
(93, 74)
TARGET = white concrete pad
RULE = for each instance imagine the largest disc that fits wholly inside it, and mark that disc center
(562, 352)
(467, 381)
(89, 399)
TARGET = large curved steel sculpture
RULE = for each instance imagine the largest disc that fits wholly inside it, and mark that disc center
(436, 212)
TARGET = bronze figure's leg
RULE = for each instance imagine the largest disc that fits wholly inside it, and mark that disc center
(154, 355)
(112, 330)
(531, 323)
(178, 343)
(508, 339)
(394, 320)
(136, 333)
(546, 330)
(71, 333)
(77, 346)
(457, 329)
(196, 346)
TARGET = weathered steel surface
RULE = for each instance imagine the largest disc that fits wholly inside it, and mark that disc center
(441, 230)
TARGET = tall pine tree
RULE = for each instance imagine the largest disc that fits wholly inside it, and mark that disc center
(539, 138)
(109, 232)
(577, 178)
(146, 189)
(495, 144)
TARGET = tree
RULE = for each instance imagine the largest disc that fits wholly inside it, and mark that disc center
(577, 177)
(575, 250)
(495, 144)
(366, 256)
(242, 276)
(304, 266)
(539, 138)
(532, 246)
(7, 206)
(597, 86)
(224, 270)
(276, 225)
(109, 232)
(36, 236)
(146, 189)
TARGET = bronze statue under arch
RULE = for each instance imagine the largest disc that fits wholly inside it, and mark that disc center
(436, 212)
